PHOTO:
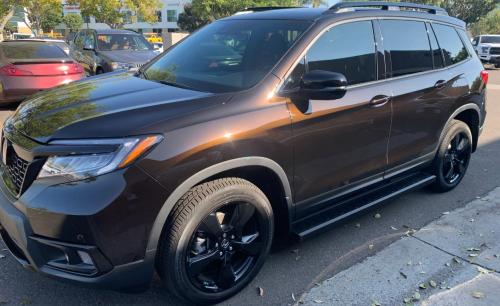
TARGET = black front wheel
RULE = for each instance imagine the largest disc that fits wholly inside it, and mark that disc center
(453, 156)
(216, 240)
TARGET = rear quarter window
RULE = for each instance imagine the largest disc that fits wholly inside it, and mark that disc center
(454, 50)
(17, 51)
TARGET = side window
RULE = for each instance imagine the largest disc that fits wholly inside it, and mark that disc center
(453, 48)
(348, 49)
(79, 40)
(475, 41)
(437, 54)
(293, 81)
(89, 39)
(408, 44)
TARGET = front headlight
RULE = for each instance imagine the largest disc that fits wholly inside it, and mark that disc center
(78, 167)
(486, 49)
(121, 66)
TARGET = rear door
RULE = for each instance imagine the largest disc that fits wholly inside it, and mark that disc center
(422, 88)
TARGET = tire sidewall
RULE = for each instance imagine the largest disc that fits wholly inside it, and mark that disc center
(176, 260)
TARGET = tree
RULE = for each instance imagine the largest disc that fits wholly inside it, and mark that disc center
(7, 8)
(316, 3)
(490, 24)
(42, 14)
(73, 22)
(112, 12)
(202, 12)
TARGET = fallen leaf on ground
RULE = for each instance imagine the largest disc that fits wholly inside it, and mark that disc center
(473, 250)
(446, 213)
(376, 303)
(403, 275)
(377, 216)
(456, 260)
(318, 301)
(393, 228)
(2, 256)
(260, 291)
(422, 286)
(473, 255)
(483, 270)
(371, 246)
(433, 284)
(416, 296)
(478, 294)
(358, 225)
(293, 297)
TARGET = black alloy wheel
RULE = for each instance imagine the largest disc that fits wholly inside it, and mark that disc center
(457, 158)
(225, 247)
(453, 156)
(216, 240)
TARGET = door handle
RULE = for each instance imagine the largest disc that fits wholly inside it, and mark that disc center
(440, 84)
(379, 101)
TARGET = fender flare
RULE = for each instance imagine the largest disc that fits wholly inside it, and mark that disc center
(161, 218)
(459, 110)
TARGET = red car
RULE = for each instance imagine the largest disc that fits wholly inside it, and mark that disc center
(30, 66)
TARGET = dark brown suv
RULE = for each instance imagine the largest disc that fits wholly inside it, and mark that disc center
(258, 125)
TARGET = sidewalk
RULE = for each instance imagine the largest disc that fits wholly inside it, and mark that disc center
(452, 261)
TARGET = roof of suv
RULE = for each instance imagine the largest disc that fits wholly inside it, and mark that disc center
(313, 14)
(112, 31)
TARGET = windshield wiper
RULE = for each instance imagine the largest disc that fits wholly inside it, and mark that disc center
(175, 85)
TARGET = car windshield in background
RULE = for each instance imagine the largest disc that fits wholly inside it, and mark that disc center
(227, 56)
(31, 50)
(121, 42)
(490, 40)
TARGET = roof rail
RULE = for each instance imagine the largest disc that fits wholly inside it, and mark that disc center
(249, 10)
(387, 6)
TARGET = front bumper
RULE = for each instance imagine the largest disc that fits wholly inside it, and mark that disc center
(490, 59)
(85, 239)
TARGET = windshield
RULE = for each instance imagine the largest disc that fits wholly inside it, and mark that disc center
(490, 40)
(120, 42)
(227, 56)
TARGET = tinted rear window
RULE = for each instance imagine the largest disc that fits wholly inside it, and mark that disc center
(31, 50)
(408, 43)
(453, 48)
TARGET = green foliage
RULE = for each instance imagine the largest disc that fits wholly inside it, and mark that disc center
(43, 14)
(202, 12)
(73, 22)
(112, 12)
(490, 24)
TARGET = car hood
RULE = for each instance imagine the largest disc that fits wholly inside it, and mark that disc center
(127, 56)
(114, 105)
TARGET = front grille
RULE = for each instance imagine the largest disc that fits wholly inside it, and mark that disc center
(17, 168)
(495, 51)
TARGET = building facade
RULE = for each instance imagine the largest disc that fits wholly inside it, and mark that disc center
(168, 15)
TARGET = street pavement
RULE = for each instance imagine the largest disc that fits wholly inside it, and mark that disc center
(295, 269)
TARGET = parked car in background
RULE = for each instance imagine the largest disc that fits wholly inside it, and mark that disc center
(28, 66)
(100, 51)
(488, 48)
(60, 43)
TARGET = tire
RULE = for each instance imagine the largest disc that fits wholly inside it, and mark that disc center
(453, 157)
(497, 65)
(99, 71)
(195, 246)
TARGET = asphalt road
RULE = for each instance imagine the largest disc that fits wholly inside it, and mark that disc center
(294, 269)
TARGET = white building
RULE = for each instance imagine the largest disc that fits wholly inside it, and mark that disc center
(167, 18)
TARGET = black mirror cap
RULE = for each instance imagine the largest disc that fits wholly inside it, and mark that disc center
(324, 80)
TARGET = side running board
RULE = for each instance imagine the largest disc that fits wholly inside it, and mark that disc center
(350, 207)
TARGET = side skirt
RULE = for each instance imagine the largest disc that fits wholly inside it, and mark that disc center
(359, 202)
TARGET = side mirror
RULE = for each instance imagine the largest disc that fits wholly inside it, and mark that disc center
(89, 46)
(317, 85)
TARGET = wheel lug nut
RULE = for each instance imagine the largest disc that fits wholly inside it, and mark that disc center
(220, 253)
(230, 248)
(224, 235)
(232, 237)
(216, 245)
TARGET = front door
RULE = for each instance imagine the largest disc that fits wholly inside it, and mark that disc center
(339, 143)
